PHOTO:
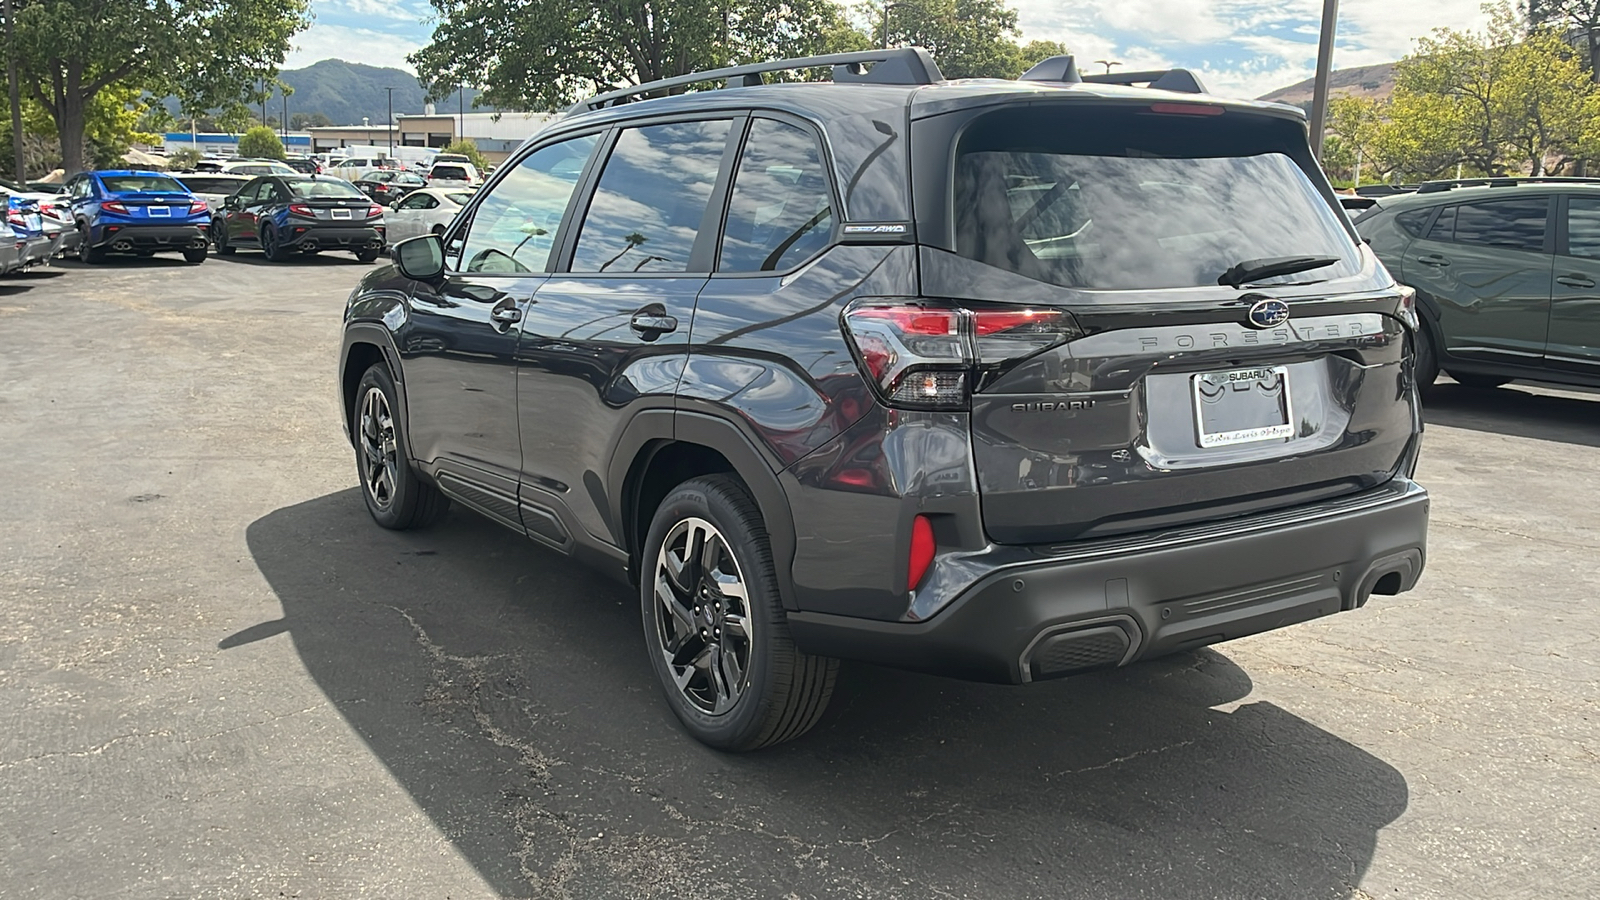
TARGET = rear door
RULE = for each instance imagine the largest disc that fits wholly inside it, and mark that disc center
(607, 335)
(1574, 341)
(1486, 266)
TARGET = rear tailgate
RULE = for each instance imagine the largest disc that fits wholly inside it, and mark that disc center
(1178, 398)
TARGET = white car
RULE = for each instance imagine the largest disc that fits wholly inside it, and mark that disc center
(454, 174)
(212, 187)
(424, 211)
(355, 168)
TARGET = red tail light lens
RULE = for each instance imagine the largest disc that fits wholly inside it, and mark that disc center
(300, 209)
(929, 357)
(374, 210)
(198, 208)
(922, 548)
(114, 206)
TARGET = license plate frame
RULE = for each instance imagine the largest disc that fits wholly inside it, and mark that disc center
(158, 212)
(341, 214)
(1242, 406)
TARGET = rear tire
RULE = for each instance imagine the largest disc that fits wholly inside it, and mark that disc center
(88, 254)
(715, 631)
(367, 255)
(396, 495)
(269, 244)
(194, 254)
(1479, 382)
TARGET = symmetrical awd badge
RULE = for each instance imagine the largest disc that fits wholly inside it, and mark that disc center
(1268, 313)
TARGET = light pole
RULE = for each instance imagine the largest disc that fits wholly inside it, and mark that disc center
(390, 124)
(461, 111)
(886, 8)
(283, 124)
(1108, 63)
(16, 100)
(1319, 93)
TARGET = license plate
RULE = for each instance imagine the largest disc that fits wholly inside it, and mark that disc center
(341, 214)
(1241, 406)
(158, 212)
(35, 222)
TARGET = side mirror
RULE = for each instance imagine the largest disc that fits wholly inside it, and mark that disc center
(420, 258)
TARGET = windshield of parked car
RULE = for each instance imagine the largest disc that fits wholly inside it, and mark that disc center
(262, 169)
(1128, 200)
(324, 187)
(139, 184)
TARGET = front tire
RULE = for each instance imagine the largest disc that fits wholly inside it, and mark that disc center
(396, 496)
(714, 628)
(219, 228)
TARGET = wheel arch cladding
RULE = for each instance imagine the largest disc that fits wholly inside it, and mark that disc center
(365, 345)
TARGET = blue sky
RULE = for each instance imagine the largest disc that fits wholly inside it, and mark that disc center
(1240, 47)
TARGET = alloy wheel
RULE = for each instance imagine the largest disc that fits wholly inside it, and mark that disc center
(704, 628)
(380, 453)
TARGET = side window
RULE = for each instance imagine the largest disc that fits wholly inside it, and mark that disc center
(1413, 220)
(514, 227)
(250, 193)
(1583, 227)
(419, 201)
(780, 213)
(1444, 227)
(647, 207)
(1511, 224)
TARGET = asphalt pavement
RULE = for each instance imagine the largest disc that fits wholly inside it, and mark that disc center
(219, 679)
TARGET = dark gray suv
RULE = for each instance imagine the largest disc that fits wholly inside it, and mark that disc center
(1003, 380)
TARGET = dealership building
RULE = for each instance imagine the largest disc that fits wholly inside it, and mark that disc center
(496, 134)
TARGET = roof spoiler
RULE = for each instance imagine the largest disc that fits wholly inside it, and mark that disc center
(1182, 81)
(901, 65)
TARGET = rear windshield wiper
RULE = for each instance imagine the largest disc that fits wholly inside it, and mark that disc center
(1257, 269)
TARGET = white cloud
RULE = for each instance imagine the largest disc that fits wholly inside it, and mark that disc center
(387, 9)
(357, 45)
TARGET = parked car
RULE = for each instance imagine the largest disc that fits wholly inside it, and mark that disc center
(305, 165)
(139, 212)
(355, 168)
(389, 185)
(1004, 380)
(424, 211)
(282, 215)
(1506, 273)
(212, 187)
(257, 167)
(13, 246)
(454, 175)
(54, 210)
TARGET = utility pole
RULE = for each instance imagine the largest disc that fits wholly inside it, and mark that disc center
(16, 99)
(1319, 93)
(461, 111)
(886, 8)
(390, 128)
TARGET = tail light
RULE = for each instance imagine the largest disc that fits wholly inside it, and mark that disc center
(300, 209)
(374, 210)
(198, 208)
(931, 357)
(1407, 308)
(114, 206)
(16, 217)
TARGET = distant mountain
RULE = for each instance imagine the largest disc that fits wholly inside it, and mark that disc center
(347, 92)
(1360, 81)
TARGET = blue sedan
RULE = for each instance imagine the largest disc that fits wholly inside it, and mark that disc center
(137, 212)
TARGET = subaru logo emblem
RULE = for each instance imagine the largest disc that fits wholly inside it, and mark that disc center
(1269, 312)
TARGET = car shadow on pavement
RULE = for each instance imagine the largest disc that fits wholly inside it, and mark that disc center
(324, 258)
(506, 689)
(1571, 419)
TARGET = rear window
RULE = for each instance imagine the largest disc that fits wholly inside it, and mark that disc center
(321, 188)
(448, 173)
(129, 184)
(200, 184)
(1129, 200)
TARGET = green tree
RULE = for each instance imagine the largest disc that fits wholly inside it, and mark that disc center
(469, 148)
(1580, 18)
(261, 142)
(208, 53)
(542, 54)
(968, 38)
(114, 121)
(1032, 53)
(183, 159)
(301, 121)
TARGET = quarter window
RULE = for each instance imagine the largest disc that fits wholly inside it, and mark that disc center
(1583, 227)
(514, 228)
(1413, 220)
(1444, 227)
(651, 197)
(1509, 224)
(781, 210)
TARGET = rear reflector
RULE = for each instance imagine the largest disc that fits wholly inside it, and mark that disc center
(922, 547)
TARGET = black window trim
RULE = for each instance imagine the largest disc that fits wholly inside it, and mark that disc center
(703, 253)
(827, 173)
(463, 219)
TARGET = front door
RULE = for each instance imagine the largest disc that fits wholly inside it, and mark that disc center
(608, 334)
(462, 340)
(1575, 295)
(1487, 267)
(242, 214)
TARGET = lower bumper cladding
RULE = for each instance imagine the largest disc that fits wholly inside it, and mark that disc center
(1063, 614)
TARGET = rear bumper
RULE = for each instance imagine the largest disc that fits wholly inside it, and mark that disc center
(1118, 601)
(39, 250)
(150, 237)
(325, 236)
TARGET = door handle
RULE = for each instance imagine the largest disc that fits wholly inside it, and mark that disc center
(505, 315)
(1575, 281)
(653, 321)
(1433, 259)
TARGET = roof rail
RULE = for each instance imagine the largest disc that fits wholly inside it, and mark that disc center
(1448, 184)
(1181, 80)
(900, 65)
